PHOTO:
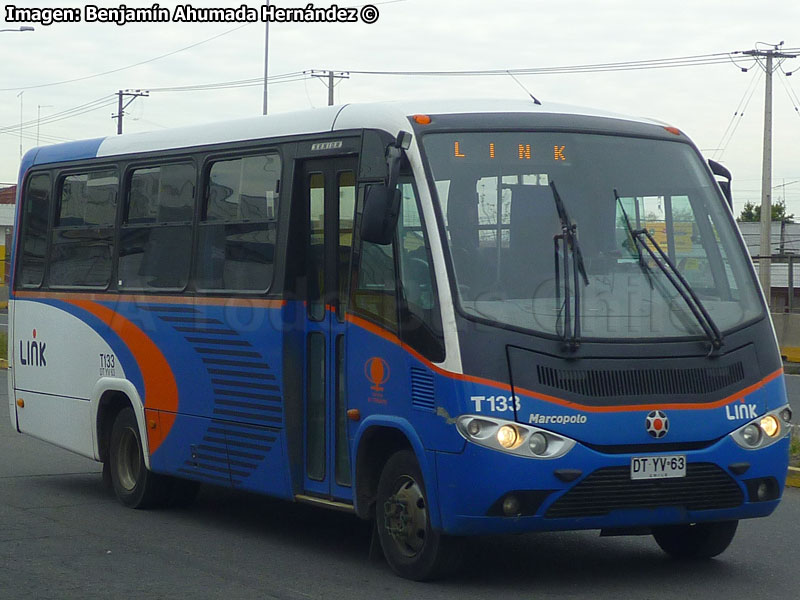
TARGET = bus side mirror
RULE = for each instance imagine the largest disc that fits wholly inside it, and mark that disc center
(379, 218)
(725, 184)
(382, 201)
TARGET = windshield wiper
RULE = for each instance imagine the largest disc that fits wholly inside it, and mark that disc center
(569, 241)
(674, 276)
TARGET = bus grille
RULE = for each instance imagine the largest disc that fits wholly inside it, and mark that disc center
(422, 390)
(705, 487)
(638, 382)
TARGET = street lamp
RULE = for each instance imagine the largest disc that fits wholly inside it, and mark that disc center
(23, 28)
(266, 61)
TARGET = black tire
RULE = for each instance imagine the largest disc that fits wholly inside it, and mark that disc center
(412, 548)
(696, 541)
(133, 484)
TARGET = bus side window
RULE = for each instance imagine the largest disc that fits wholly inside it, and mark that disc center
(420, 320)
(156, 234)
(374, 295)
(378, 292)
(374, 284)
(33, 241)
(83, 233)
(238, 227)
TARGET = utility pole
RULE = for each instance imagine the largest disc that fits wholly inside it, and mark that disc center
(330, 76)
(20, 122)
(121, 107)
(765, 251)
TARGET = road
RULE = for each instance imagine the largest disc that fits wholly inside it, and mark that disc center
(63, 536)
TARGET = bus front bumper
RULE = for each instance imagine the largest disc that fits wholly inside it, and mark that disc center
(483, 491)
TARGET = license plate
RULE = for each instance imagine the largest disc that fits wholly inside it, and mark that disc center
(658, 467)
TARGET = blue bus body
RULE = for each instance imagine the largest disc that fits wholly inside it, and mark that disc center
(299, 391)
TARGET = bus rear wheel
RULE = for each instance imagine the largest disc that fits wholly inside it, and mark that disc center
(696, 541)
(412, 548)
(133, 484)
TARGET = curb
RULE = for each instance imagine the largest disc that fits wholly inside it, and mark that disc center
(789, 367)
(793, 478)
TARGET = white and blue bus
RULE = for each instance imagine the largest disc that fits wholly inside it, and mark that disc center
(453, 318)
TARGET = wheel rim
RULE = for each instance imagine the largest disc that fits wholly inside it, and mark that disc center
(406, 516)
(128, 460)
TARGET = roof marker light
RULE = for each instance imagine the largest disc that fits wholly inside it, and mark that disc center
(422, 119)
(673, 130)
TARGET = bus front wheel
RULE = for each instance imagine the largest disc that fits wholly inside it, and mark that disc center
(133, 484)
(695, 541)
(412, 548)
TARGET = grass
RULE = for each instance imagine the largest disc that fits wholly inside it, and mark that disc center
(4, 344)
(794, 448)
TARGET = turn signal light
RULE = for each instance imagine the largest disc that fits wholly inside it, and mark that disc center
(20, 402)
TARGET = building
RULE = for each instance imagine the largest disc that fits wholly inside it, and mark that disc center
(7, 199)
(784, 242)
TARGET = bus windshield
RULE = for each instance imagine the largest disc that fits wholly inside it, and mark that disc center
(496, 194)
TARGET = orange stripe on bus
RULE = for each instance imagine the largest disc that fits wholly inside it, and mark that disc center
(160, 388)
(390, 337)
(144, 299)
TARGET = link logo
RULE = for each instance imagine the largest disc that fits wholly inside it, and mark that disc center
(738, 412)
(31, 352)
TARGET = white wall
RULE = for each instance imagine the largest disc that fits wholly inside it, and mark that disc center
(6, 215)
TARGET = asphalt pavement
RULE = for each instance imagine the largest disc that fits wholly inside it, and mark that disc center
(62, 535)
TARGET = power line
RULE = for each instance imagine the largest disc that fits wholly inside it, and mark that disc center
(159, 57)
(793, 97)
(283, 78)
(724, 147)
(52, 139)
(65, 114)
(698, 60)
(684, 61)
(138, 64)
(721, 145)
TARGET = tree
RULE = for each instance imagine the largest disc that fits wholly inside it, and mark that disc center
(751, 213)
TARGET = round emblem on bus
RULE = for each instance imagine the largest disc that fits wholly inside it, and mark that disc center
(377, 371)
(657, 424)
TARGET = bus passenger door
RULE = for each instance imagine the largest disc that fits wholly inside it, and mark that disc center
(329, 194)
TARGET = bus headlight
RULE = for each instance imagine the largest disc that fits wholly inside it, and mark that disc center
(474, 427)
(537, 443)
(514, 438)
(751, 435)
(770, 425)
(764, 431)
(508, 437)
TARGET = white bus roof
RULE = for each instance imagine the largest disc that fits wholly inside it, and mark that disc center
(388, 116)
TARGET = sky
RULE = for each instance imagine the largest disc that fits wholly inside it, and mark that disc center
(719, 106)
